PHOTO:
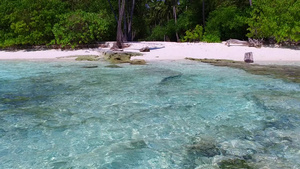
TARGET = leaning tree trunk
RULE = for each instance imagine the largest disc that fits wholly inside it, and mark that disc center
(113, 11)
(119, 29)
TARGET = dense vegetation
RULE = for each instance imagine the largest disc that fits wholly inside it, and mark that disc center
(74, 22)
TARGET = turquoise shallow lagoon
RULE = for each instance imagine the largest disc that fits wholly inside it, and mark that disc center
(165, 114)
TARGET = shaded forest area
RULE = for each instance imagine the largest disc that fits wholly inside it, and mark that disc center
(69, 23)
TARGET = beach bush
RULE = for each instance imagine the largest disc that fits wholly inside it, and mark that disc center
(211, 38)
(278, 19)
(194, 35)
(28, 23)
(81, 28)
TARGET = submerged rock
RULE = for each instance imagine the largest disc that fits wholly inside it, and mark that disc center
(91, 66)
(138, 144)
(2, 133)
(169, 78)
(138, 62)
(10, 99)
(289, 73)
(201, 151)
(113, 66)
(234, 164)
(60, 164)
(204, 148)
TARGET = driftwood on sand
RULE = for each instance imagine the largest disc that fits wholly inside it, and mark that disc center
(250, 42)
(145, 49)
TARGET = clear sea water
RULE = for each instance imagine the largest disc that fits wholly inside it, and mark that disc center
(165, 114)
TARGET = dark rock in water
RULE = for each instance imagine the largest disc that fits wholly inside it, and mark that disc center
(169, 78)
(14, 100)
(282, 124)
(60, 164)
(2, 132)
(286, 139)
(58, 66)
(259, 102)
(113, 66)
(92, 66)
(138, 62)
(204, 148)
(234, 164)
(247, 157)
(138, 144)
(145, 49)
(200, 151)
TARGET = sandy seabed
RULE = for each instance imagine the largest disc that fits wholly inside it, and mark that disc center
(172, 51)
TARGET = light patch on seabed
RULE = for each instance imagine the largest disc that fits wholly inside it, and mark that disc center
(165, 114)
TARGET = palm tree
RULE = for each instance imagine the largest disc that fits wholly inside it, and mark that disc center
(129, 36)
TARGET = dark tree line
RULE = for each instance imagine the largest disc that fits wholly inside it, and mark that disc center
(74, 22)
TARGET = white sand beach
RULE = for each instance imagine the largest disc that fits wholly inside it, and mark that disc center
(44, 54)
(175, 51)
(171, 51)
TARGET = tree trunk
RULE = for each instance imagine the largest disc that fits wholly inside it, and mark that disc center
(119, 30)
(175, 17)
(250, 1)
(130, 38)
(125, 32)
(203, 13)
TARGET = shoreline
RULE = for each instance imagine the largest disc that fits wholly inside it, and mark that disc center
(170, 51)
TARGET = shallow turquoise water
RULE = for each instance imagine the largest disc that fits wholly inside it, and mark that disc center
(163, 115)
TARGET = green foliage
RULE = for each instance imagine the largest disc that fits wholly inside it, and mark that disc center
(277, 19)
(74, 22)
(158, 33)
(185, 21)
(81, 28)
(194, 35)
(211, 38)
(39, 22)
(28, 22)
(225, 23)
